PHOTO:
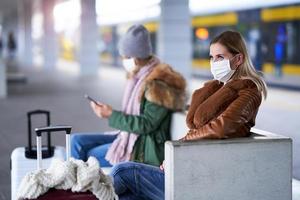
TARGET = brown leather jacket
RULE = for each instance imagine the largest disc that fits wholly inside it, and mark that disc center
(220, 111)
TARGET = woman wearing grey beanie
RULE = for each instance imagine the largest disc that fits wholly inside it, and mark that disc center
(153, 91)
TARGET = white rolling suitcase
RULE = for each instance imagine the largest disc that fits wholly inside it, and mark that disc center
(24, 159)
(60, 194)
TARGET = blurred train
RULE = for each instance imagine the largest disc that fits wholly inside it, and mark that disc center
(272, 36)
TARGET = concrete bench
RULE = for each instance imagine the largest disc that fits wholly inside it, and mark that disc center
(257, 167)
(253, 168)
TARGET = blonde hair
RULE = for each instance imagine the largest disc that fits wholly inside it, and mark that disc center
(235, 44)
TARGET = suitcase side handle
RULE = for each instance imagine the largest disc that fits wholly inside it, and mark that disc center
(49, 129)
(30, 153)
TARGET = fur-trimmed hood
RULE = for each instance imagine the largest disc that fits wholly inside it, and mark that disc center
(165, 87)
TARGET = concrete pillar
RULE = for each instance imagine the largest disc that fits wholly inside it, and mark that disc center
(21, 32)
(23, 35)
(115, 47)
(89, 58)
(3, 87)
(174, 35)
(50, 45)
(28, 30)
(10, 24)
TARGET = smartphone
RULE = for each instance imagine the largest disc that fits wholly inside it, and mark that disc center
(91, 99)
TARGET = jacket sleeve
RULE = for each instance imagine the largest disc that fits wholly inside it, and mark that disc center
(145, 123)
(232, 122)
(197, 98)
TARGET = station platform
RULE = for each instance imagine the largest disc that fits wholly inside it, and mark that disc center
(62, 92)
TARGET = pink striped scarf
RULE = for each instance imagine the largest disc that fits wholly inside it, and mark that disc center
(122, 146)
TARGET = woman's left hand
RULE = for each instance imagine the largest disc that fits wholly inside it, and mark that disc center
(101, 110)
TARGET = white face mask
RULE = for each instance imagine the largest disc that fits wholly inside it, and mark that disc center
(129, 64)
(221, 70)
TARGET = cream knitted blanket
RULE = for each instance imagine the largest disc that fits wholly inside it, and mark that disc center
(76, 175)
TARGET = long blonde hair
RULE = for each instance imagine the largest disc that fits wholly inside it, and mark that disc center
(235, 44)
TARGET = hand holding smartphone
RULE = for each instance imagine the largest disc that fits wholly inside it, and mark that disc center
(101, 110)
(91, 99)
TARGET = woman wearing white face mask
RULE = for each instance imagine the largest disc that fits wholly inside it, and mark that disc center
(153, 90)
(227, 106)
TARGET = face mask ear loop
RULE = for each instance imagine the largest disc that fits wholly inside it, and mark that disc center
(231, 60)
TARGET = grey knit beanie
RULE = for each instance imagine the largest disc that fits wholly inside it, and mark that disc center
(136, 43)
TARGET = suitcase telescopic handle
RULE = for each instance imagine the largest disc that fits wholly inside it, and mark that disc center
(50, 129)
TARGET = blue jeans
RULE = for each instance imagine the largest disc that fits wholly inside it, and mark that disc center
(137, 181)
(86, 145)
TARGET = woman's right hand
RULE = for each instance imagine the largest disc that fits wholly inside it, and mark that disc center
(162, 166)
(101, 110)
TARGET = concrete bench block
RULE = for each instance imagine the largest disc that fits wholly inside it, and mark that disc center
(257, 167)
(178, 126)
